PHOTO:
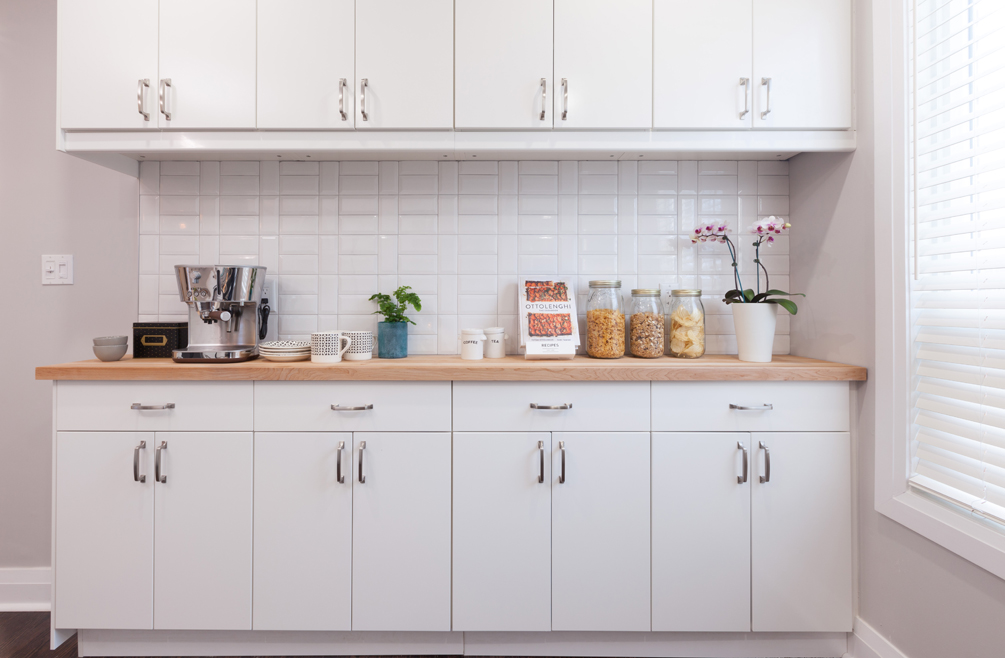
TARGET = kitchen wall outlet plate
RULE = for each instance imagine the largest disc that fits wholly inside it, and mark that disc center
(57, 270)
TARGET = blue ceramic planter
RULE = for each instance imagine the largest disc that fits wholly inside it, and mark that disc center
(392, 340)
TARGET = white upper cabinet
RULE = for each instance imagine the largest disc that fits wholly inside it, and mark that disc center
(405, 64)
(504, 64)
(702, 63)
(207, 52)
(604, 55)
(108, 64)
(306, 64)
(802, 59)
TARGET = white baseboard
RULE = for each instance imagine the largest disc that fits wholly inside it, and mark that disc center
(866, 642)
(25, 590)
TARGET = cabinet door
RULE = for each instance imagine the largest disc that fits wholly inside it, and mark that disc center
(104, 530)
(303, 531)
(801, 532)
(701, 532)
(305, 47)
(600, 532)
(504, 64)
(401, 532)
(804, 48)
(405, 53)
(106, 49)
(207, 51)
(203, 516)
(502, 532)
(702, 53)
(604, 51)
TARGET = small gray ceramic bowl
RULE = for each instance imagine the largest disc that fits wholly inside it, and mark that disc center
(111, 340)
(110, 352)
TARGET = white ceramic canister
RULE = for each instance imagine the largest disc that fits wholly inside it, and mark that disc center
(472, 344)
(495, 342)
(329, 346)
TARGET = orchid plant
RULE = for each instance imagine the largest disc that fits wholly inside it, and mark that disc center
(764, 232)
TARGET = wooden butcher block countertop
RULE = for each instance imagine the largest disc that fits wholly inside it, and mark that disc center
(447, 368)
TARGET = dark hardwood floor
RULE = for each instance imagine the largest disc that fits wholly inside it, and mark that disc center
(26, 635)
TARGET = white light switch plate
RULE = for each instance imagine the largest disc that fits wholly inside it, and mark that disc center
(57, 270)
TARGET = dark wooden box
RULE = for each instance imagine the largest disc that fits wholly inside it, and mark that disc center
(156, 340)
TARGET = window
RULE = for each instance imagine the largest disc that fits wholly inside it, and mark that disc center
(956, 138)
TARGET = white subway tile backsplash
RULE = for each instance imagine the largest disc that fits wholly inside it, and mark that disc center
(459, 233)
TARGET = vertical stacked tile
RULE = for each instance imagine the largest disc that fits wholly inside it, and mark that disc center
(461, 234)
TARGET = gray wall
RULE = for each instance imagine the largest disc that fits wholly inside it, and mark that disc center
(49, 203)
(929, 602)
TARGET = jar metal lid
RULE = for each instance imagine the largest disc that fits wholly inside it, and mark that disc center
(605, 284)
(645, 292)
(686, 293)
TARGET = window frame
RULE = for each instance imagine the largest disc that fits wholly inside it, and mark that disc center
(971, 538)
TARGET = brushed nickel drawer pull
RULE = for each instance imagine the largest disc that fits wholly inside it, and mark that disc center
(763, 407)
(534, 405)
(136, 462)
(767, 464)
(561, 477)
(540, 448)
(744, 82)
(544, 97)
(165, 83)
(338, 463)
(362, 447)
(157, 464)
(152, 407)
(740, 479)
(342, 84)
(365, 407)
(363, 84)
(145, 82)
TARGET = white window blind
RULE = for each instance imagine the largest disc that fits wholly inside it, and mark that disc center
(957, 138)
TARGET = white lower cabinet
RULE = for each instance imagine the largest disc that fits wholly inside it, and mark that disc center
(203, 542)
(401, 531)
(104, 544)
(801, 532)
(502, 531)
(600, 554)
(303, 531)
(701, 531)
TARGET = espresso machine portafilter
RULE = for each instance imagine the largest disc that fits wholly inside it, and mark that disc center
(222, 312)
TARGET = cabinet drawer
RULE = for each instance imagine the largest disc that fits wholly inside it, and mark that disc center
(396, 406)
(595, 406)
(705, 406)
(198, 406)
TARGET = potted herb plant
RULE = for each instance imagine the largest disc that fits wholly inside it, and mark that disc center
(392, 331)
(754, 312)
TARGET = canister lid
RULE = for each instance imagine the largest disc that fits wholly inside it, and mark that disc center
(645, 292)
(605, 284)
(686, 293)
(494, 330)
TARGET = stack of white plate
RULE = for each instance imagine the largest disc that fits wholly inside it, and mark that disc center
(285, 350)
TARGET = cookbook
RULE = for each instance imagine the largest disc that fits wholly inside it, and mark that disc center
(549, 328)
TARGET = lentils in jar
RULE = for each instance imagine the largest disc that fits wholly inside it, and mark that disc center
(647, 324)
(605, 321)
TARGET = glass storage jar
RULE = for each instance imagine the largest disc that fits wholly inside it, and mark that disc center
(605, 320)
(646, 323)
(686, 324)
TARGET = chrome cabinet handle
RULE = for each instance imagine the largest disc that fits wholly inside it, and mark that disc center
(540, 448)
(766, 82)
(767, 464)
(362, 447)
(561, 476)
(534, 405)
(342, 84)
(338, 463)
(544, 96)
(165, 83)
(740, 479)
(365, 407)
(157, 464)
(152, 407)
(565, 98)
(744, 82)
(763, 407)
(136, 462)
(363, 83)
(145, 82)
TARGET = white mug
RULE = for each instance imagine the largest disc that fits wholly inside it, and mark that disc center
(326, 346)
(362, 345)
(471, 344)
(495, 343)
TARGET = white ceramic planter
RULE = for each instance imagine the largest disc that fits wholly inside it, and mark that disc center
(755, 331)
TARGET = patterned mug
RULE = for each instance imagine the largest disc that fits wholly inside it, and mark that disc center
(327, 347)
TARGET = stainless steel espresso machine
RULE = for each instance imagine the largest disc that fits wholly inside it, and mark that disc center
(222, 312)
